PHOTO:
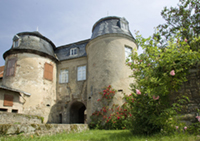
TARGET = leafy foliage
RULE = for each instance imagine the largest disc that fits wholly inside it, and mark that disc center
(158, 72)
(184, 18)
(110, 116)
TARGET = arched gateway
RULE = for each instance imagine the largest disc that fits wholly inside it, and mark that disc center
(77, 112)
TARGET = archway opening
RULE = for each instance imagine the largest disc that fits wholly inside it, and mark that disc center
(77, 112)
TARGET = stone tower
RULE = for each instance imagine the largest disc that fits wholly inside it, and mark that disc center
(107, 51)
(31, 68)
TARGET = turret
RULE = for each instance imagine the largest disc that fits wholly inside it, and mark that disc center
(30, 66)
(110, 45)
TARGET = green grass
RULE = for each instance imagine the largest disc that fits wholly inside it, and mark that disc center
(102, 135)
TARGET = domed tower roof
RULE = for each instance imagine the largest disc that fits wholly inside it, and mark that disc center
(111, 25)
(32, 42)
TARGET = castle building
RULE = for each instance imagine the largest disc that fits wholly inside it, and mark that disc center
(62, 84)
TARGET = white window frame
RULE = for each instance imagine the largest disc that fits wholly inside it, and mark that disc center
(81, 73)
(128, 52)
(16, 43)
(124, 25)
(64, 76)
(73, 51)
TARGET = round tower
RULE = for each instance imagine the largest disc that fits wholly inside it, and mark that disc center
(30, 66)
(110, 45)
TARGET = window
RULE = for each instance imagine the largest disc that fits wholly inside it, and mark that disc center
(128, 52)
(14, 111)
(63, 76)
(10, 68)
(48, 71)
(16, 41)
(3, 110)
(124, 25)
(8, 100)
(81, 73)
(73, 51)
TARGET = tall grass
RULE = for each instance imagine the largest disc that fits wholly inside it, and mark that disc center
(102, 135)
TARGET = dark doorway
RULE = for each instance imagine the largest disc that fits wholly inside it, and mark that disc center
(77, 110)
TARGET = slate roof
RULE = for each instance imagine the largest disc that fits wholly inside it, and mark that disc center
(63, 52)
(109, 25)
(1, 71)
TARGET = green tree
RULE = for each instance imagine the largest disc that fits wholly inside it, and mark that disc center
(158, 72)
(185, 18)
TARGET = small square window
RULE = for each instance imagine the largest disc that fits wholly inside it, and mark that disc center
(128, 52)
(63, 76)
(73, 51)
(81, 73)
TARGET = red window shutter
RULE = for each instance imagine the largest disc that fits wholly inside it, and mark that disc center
(48, 71)
(8, 100)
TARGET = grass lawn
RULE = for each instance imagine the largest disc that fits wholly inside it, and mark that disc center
(102, 135)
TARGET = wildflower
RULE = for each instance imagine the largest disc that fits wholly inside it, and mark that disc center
(198, 118)
(156, 98)
(185, 128)
(138, 91)
(176, 127)
(118, 117)
(98, 99)
(172, 73)
(149, 64)
(185, 40)
(129, 63)
(134, 69)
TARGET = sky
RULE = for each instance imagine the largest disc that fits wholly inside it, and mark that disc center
(69, 21)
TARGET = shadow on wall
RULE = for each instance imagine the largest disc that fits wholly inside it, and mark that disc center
(72, 113)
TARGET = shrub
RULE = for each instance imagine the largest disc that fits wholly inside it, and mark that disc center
(110, 116)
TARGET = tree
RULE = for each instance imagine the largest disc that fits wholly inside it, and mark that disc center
(184, 18)
(158, 72)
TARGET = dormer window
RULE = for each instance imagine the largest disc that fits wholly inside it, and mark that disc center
(124, 24)
(73, 51)
(16, 41)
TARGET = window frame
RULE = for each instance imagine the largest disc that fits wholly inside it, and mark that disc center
(81, 71)
(128, 53)
(66, 76)
(16, 41)
(72, 51)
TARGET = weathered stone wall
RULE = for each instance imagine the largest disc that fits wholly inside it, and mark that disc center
(41, 129)
(107, 66)
(29, 77)
(73, 91)
(17, 101)
(13, 118)
(191, 89)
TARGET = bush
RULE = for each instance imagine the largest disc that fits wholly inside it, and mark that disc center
(110, 116)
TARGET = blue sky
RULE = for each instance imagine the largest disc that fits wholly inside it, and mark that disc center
(68, 21)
